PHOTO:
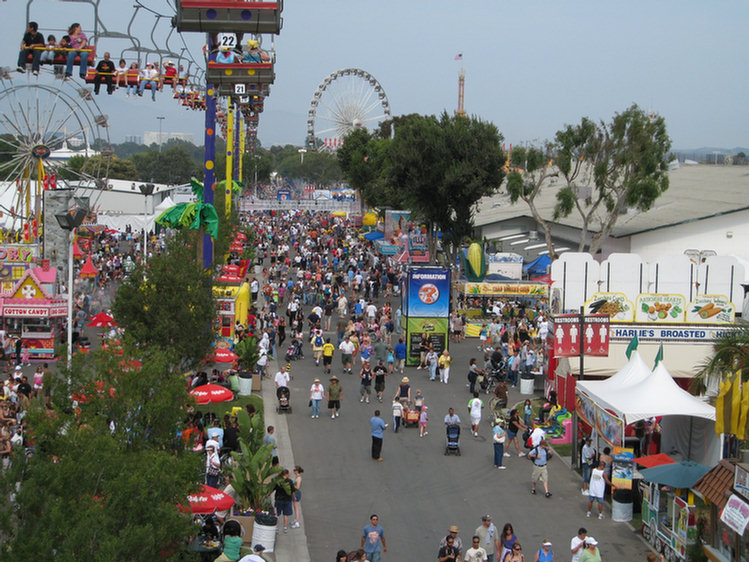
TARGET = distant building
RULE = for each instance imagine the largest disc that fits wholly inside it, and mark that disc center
(151, 137)
(134, 139)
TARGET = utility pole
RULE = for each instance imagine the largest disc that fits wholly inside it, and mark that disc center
(161, 140)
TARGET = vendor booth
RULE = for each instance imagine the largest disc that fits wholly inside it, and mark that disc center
(635, 394)
(477, 296)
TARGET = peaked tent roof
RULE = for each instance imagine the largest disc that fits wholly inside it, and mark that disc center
(164, 205)
(607, 390)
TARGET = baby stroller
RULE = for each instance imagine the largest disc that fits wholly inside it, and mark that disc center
(452, 444)
(295, 351)
(284, 402)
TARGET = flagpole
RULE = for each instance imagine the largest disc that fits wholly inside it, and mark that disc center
(573, 463)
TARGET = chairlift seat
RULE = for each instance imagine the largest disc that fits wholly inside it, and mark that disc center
(238, 16)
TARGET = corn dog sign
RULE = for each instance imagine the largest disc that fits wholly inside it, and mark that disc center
(711, 309)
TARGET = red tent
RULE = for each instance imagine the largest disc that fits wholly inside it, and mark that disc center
(224, 356)
(651, 461)
(88, 270)
(208, 500)
(210, 393)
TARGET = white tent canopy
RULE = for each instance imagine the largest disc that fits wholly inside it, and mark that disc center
(167, 203)
(635, 394)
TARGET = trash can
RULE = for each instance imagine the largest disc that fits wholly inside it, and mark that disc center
(621, 505)
(245, 383)
(526, 384)
(264, 532)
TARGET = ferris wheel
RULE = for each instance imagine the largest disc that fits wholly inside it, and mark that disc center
(51, 136)
(347, 99)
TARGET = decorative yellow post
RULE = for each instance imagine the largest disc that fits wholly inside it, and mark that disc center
(229, 157)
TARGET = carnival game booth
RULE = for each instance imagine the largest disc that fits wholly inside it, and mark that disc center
(477, 296)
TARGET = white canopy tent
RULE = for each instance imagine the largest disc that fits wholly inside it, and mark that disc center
(635, 394)
(164, 205)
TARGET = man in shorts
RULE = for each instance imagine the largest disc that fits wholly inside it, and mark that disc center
(327, 356)
(347, 348)
(597, 488)
(540, 456)
(284, 504)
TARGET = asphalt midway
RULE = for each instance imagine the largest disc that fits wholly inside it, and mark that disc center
(417, 491)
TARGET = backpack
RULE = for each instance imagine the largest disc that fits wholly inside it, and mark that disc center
(318, 341)
(527, 439)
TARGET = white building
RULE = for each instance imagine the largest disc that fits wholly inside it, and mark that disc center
(154, 137)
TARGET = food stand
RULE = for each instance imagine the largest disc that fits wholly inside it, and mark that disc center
(476, 297)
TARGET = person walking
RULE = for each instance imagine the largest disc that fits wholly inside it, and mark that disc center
(316, 396)
(507, 539)
(400, 356)
(588, 456)
(335, 395)
(540, 456)
(597, 489)
(328, 349)
(591, 552)
(498, 438)
(283, 499)
(544, 554)
(444, 365)
(488, 537)
(514, 427)
(212, 464)
(577, 544)
(448, 553)
(475, 553)
(423, 419)
(516, 554)
(474, 409)
(397, 414)
(373, 539)
(366, 381)
(378, 428)
(457, 541)
(380, 372)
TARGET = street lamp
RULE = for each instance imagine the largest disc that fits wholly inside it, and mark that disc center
(161, 140)
(146, 189)
(257, 157)
(302, 152)
(70, 221)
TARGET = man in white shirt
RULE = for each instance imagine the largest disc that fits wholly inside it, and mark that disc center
(475, 553)
(282, 377)
(577, 544)
(347, 348)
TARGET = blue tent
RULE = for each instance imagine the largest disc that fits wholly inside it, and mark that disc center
(539, 266)
(374, 235)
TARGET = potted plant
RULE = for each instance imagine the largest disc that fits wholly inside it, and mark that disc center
(248, 354)
(254, 478)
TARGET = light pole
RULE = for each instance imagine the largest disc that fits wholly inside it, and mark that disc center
(257, 157)
(302, 152)
(69, 222)
(146, 189)
(161, 140)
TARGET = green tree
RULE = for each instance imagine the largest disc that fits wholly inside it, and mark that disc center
(173, 165)
(107, 475)
(318, 167)
(530, 173)
(114, 168)
(445, 166)
(363, 160)
(730, 354)
(169, 305)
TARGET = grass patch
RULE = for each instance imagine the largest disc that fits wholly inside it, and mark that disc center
(222, 408)
(563, 449)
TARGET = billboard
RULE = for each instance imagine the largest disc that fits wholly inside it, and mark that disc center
(435, 328)
(396, 222)
(428, 293)
(507, 264)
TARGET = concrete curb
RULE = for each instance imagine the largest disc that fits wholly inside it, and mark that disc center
(291, 545)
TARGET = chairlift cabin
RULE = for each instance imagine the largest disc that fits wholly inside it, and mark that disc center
(241, 73)
(221, 15)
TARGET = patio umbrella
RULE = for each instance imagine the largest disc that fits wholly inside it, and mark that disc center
(677, 475)
(211, 393)
(229, 278)
(231, 269)
(208, 500)
(224, 356)
(651, 461)
(240, 236)
(101, 320)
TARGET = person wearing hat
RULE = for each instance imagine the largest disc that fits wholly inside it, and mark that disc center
(254, 54)
(335, 395)
(403, 394)
(170, 73)
(316, 395)
(212, 463)
(544, 554)
(256, 556)
(475, 553)
(457, 541)
(149, 76)
(498, 438)
(591, 552)
(488, 537)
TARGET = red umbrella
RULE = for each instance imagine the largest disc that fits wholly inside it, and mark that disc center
(650, 461)
(131, 365)
(101, 320)
(231, 269)
(224, 356)
(229, 278)
(208, 500)
(80, 397)
(240, 236)
(211, 393)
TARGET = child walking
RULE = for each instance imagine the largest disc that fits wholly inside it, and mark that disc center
(397, 414)
(423, 418)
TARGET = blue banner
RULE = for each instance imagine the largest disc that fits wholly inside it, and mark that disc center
(428, 293)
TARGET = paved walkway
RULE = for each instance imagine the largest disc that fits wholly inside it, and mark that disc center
(417, 491)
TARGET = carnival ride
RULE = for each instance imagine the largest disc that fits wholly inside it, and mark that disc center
(345, 100)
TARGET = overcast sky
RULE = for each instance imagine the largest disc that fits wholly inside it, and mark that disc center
(531, 66)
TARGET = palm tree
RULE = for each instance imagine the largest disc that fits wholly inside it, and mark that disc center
(731, 354)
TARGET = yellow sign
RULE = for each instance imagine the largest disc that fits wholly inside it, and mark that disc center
(712, 309)
(615, 305)
(539, 290)
(660, 307)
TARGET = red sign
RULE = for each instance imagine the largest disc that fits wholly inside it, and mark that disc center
(569, 336)
(596, 335)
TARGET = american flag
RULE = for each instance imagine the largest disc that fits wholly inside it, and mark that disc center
(459, 56)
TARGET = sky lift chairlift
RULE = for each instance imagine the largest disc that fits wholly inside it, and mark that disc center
(222, 15)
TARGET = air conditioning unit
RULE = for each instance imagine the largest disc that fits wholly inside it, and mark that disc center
(533, 235)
